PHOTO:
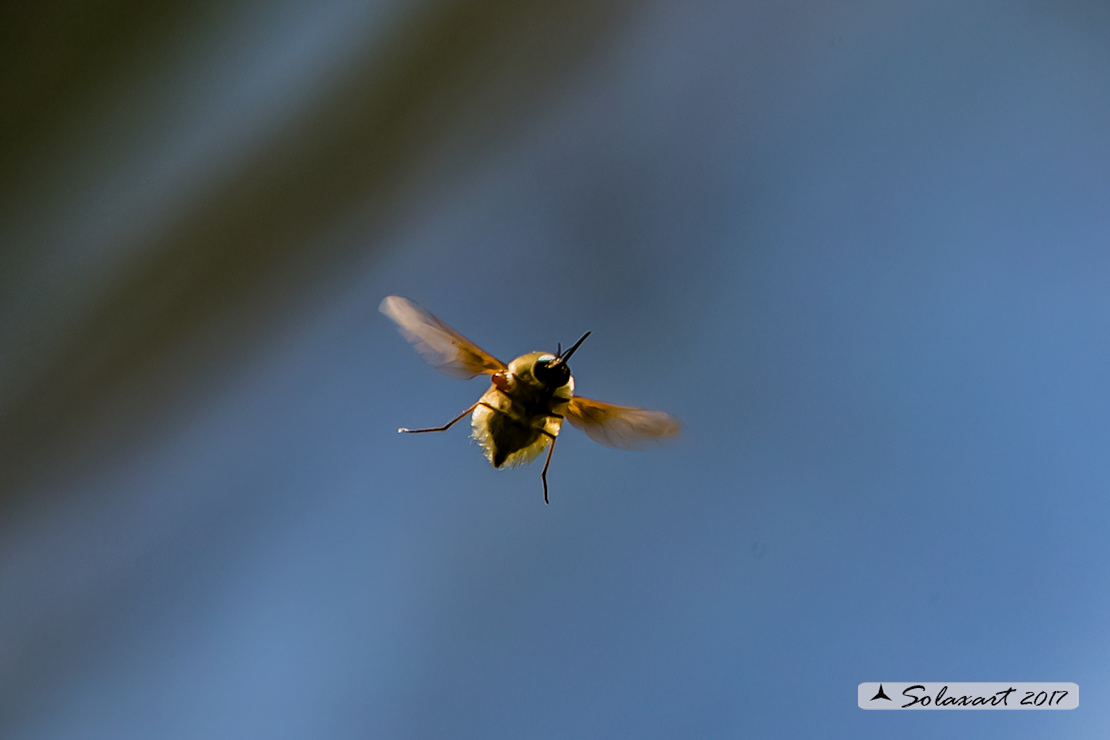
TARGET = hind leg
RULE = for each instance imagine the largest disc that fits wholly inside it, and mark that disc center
(543, 475)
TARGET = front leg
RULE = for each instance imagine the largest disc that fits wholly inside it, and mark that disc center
(443, 428)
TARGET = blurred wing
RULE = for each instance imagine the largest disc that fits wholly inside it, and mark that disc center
(439, 344)
(620, 426)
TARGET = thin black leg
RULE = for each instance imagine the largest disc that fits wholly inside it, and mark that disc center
(443, 428)
(543, 475)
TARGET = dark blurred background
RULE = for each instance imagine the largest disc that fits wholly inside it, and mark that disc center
(859, 248)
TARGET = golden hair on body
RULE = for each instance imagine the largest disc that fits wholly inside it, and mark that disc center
(523, 410)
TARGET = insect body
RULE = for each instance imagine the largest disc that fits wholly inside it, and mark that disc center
(528, 399)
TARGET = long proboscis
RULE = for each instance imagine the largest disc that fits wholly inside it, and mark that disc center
(564, 356)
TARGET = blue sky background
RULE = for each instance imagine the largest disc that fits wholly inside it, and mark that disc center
(860, 249)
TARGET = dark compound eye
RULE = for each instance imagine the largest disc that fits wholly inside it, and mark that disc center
(550, 373)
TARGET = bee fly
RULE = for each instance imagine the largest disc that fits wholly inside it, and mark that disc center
(527, 400)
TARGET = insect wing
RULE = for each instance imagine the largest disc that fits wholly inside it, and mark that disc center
(439, 344)
(620, 426)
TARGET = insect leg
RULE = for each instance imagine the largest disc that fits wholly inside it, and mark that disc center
(443, 428)
(543, 475)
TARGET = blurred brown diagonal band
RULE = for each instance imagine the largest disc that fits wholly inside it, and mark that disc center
(249, 243)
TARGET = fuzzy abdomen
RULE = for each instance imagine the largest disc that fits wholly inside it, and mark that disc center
(514, 432)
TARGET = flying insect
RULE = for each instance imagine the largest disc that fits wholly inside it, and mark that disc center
(521, 413)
